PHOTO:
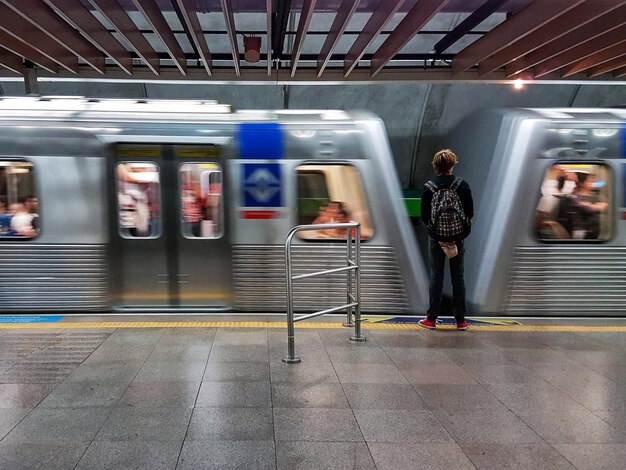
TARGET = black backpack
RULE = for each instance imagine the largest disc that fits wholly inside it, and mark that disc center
(448, 221)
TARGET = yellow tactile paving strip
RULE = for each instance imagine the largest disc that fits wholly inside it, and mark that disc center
(306, 325)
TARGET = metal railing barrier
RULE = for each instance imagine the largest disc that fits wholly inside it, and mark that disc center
(353, 296)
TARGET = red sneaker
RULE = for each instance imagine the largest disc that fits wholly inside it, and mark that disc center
(461, 326)
(426, 323)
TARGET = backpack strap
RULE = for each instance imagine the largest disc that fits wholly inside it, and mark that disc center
(456, 183)
(431, 185)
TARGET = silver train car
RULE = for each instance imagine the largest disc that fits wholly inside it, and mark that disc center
(549, 233)
(171, 206)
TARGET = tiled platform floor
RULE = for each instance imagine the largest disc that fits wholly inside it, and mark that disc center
(186, 398)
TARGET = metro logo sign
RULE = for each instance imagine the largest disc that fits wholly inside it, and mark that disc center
(262, 185)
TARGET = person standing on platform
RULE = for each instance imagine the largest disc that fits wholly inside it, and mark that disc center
(447, 209)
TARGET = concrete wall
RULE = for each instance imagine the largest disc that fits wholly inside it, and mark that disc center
(417, 116)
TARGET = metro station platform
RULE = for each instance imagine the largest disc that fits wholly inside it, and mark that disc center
(204, 392)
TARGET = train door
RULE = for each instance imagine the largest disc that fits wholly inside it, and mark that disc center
(170, 243)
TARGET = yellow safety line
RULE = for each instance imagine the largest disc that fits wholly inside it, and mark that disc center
(304, 325)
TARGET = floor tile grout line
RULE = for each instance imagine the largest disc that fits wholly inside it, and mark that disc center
(56, 385)
(116, 403)
(193, 409)
(341, 384)
(267, 342)
(489, 392)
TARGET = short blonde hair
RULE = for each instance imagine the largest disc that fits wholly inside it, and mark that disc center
(443, 161)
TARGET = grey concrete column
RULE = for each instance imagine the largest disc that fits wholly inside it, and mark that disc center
(31, 85)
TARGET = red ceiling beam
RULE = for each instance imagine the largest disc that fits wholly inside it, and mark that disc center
(410, 25)
(344, 13)
(56, 29)
(620, 72)
(75, 13)
(528, 20)
(232, 33)
(303, 26)
(27, 52)
(605, 23)
(268, 9)
(568, 22)
(11, 61)
(380, 17)
(16, 26)
(608, 66)
(126, 28)
(152, 12)
(606, 55)
(586, 49)
(196, 36)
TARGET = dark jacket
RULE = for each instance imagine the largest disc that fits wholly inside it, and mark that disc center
(464, 192)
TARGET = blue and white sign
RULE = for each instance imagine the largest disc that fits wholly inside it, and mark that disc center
(262, 185)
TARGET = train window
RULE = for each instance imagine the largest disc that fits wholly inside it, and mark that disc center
(575, 203)
(201, 200)
(138, 200)
(19, 212)
(331, 193)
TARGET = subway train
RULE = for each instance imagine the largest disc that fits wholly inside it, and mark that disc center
(179, 206)
(549, 233)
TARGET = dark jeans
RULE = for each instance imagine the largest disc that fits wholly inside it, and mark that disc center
(437, 269)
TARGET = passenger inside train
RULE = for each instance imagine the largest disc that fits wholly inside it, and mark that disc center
(201, 200)
(18, 206)
(331, 194)
(574, 203)
(138, 199)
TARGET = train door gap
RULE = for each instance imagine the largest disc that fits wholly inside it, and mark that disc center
(169, 222)
(180, 257)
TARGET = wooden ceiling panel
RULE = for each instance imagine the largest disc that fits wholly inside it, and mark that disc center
(10, 61)
(195, 33)
(77, 16)
(372, 29)
(581, 52)
(608, 66)
(24, 50)
(514, 29)
(58, 30)
(303, 25)
(161, 28)
(575, 19)
(344, 13)
(414, 21)
(469, 23)
(16, 26)
(593, 29)
(227, 9)
(412, 39)
(269, 16)
(126, 28)
(596, 59)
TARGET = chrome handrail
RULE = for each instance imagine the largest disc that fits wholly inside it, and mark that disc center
(353, 299)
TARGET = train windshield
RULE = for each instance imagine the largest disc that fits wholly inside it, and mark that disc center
(331, 194)
(575, 203)
(19, 205)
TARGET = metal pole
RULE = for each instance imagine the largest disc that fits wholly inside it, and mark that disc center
(349, 322)
(357, 314)
(290, 358)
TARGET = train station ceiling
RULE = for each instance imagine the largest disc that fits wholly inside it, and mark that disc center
(314, 40)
